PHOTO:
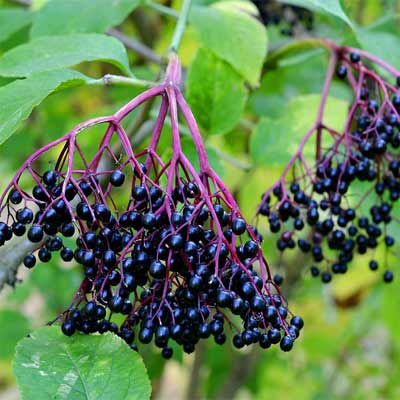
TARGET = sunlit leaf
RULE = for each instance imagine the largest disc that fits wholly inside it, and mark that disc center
(49, 365)
(53, 52)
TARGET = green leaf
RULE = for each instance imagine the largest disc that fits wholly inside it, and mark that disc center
(18, 98)
(275, 140)
(14, 326)
(293, 50)
(54, 52)
(381, 44)
(216, 93)
(223, 29)
(12, 20)
(58, 17)
(49, 365)
(328, 7)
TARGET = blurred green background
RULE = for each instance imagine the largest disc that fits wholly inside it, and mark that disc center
(350, 346)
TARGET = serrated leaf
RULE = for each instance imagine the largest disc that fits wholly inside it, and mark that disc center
(12, 20)
(14, 326)
(275, 140)
(234, 36)
(58, 17)
(216, 93)
(328, 7)
(18, 98)
(54, 52)
(49, 365)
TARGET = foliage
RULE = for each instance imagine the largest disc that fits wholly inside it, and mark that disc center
(253, 91)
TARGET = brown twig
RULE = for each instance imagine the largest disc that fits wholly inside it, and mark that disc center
(139, 48)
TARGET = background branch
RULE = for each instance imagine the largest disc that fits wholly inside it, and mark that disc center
(139, 48)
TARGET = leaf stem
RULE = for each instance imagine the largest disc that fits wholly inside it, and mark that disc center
(180, 26)
(108, 80)
(162, 9)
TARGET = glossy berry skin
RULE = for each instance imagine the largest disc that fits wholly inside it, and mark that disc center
(355, 57)
(35, 233)
(116, 304)
(67, 254)
(157, 270)
(68, 327)
(15, 197)
(30, 261)
(388, 276)
(145, 335)
(167, 353)
(117, 178)
(297, 322)
(274, 336)
(286, 343)
(238, 226)
(24, 216)
(44, 255)
(341, 72)
(265, 341)
(49, 178)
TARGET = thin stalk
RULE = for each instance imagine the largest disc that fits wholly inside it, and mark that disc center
(162, 9)
(109, 80)
(180, 26)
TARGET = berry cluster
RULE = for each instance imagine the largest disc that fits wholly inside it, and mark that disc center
(292, 18)
(319, 209)
(158, 242)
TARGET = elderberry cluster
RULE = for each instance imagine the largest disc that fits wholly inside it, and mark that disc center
(159, 243)
(292, 18)
(155, 264)
(343, 206)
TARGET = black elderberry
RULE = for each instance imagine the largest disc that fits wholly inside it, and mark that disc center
(149, 221)
(49, 178)
(297, 322)
(67, 254)
(109, 258)
(389, 241)
(265, 341)
(157, 270)
(388, 276)
(68, 327)
(257, 303)
(274, 335)
(341, 72)
(15, 196)
(373, 265)
(326, 277)
(18, 229)
(238, 226)
(44, 255)
(29, 261)
(286, 343)
(278, 279)
(68, 229)
(24, 216)
(116, 304)
(355, 57)
(117, 178)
